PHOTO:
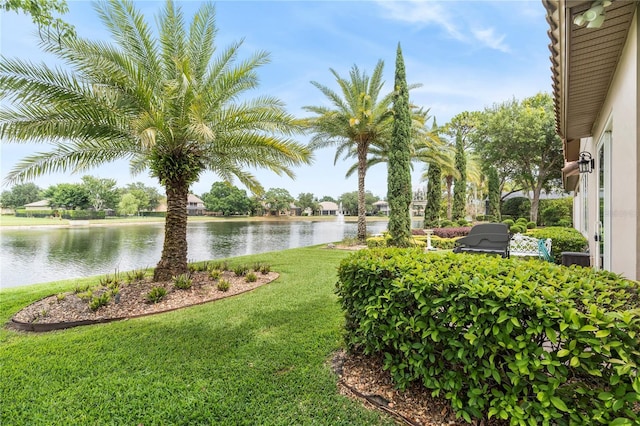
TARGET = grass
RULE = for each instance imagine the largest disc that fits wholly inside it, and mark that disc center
(258, 358)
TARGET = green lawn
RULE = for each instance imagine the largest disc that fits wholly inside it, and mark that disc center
(260, 358)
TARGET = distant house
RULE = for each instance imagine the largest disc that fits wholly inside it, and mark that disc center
(328, 208)
(38, 205)
(195, 206)
(294, 210)
(381, 207)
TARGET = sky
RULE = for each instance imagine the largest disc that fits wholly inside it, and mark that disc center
(468, 56)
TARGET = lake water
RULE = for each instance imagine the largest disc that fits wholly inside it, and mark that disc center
(43, 255)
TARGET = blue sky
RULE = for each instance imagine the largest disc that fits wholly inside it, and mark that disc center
(468, 55)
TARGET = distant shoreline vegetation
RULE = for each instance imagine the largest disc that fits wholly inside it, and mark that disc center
(13, 222)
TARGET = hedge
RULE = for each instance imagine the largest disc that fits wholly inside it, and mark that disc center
(562, 239)
(527, 341)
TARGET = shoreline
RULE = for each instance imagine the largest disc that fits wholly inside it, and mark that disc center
(192, 219)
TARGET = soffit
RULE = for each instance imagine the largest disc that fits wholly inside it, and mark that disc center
(583, 62)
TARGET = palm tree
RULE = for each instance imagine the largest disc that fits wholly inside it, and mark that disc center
(165, 103)
(357, 119)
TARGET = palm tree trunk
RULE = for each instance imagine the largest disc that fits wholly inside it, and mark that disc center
(174, 252)
(362, 208)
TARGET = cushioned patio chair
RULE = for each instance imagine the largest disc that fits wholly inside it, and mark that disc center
(485, 238)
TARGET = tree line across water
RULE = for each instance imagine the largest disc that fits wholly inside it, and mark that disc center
(100, 194)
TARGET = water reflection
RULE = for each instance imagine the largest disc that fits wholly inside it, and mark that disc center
(42, 255)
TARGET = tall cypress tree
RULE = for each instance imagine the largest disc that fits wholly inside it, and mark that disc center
(399, 167)
(494, 194)
(434, 196)
(460, 185)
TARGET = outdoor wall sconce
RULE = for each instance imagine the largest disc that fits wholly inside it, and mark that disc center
(594, 16)
(586, 163)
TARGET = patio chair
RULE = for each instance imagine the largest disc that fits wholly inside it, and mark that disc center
(485, 238)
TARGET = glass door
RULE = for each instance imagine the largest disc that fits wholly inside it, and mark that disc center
(603, 225)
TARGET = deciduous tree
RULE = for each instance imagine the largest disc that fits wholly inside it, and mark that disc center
(227, 199)
(519, 138)
(20, 194)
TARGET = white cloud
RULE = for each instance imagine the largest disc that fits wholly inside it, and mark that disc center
(490, 39)
(421, 12)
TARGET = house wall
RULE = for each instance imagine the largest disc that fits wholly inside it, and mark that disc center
(620, 115)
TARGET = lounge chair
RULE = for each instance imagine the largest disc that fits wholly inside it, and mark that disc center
(485, 238)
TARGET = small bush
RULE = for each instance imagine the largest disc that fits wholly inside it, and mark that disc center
(509, 222)
(251, 277)
(522, 220)
(373, 242)
(221, 265)
(182, 281)
(460, 231)
(462, 222)
(198, 267)
(517, 229)
(516, 207)
(60, 297)
(109, 280)
(562, 239)
(556, 212)
(531, 225)
(241, 270)
(156, 294)
(443, 243)
(265, 269)
(85, 296)
(214, 274)
(527, 341)
(81, 288)
(223, 285)
(98, 301)
(446, 223)
(135, 275)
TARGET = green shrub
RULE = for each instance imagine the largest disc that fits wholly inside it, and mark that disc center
(264, 269)
(156, 294)
(182, 281)
(562, 239)
(522, 220)
(528, 341)
(516, 207)
(241, 270)
(445, 223)
(98, 301)
(531, 225)
(508, 222)
(251, 277)
(556, 212)
(462, 222)
(81, 288)
(443, 243)
(35, 213)
(221, 265)
(136, 275)
(517, 229)
(109, 280)
(373, 242)
(223, 285)
(214, 274)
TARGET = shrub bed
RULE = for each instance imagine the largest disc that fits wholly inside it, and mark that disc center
(528, 341)
(562, 239)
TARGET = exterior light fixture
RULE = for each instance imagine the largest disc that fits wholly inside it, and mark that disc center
(586, 163)
(594, 16)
